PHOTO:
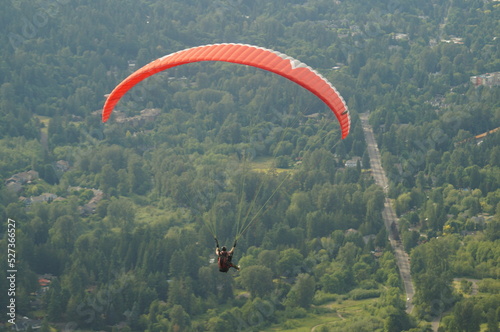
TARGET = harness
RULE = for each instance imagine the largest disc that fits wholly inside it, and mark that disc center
(224, 261)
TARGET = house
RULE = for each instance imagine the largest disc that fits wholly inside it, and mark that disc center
(15, 182)
(14, 187)
(91, 206)
(350, 231)
(45, 197)
(401, 36)
(353, 162)
(150, 114)
(24, 177)
(453, 40)
(488, 79)
(43, 282)
(146, 116)
(62, 166)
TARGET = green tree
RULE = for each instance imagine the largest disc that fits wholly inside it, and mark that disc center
(121, 213)
(302, 291)
(290, 262)
(56, 302)
(397, 320)
(467, 315)
(180, 293)
(432, 274)
(64, 232)
(492, 231)
(492, 320)
(410, 240)
(216, 324)
(109, 180)
(348, 254)
(366, 160)
(140, 180)
(340, 281)
(258, 280)
(180, 320)
(269, 258)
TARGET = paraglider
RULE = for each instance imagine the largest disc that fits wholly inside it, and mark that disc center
(249, 55)
(254, 56)
(224, 257)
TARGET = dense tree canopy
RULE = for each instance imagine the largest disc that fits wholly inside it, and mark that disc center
(120, 215)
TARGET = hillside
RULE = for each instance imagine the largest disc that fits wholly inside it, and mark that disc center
(115, 222)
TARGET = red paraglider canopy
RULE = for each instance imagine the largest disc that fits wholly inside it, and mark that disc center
(254, 56)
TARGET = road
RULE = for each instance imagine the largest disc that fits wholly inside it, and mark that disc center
(388, 214)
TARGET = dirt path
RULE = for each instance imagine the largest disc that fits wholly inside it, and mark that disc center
(475, 287)
(315, 326)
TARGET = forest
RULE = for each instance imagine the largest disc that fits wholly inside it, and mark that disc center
(115, 222)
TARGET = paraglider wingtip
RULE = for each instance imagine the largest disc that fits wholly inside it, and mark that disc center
(104, 117)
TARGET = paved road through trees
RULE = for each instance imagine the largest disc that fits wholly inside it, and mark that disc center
(390, 219)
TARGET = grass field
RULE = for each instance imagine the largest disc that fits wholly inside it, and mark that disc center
(334, 312)
(266, 164)
(46, 119)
